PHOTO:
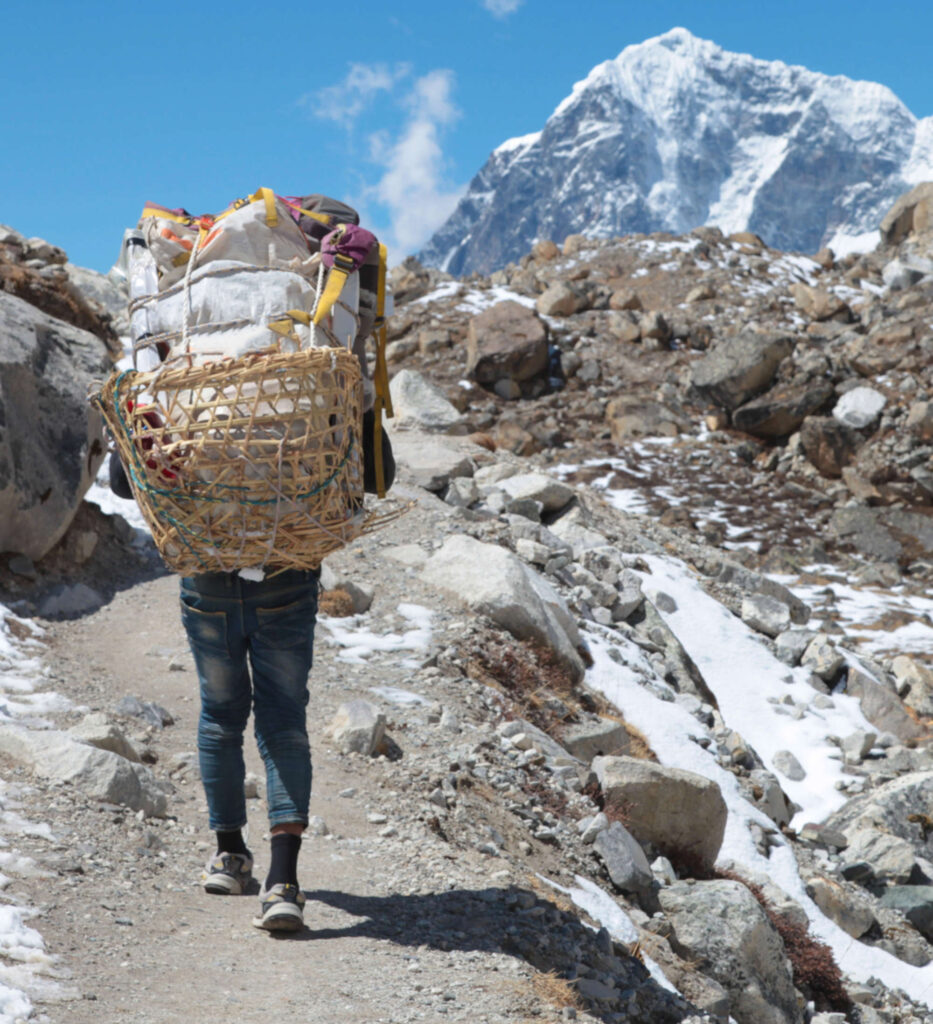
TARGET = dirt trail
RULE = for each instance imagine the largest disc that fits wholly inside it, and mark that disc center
(400, 925)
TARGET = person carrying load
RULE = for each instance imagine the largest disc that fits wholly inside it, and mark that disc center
(248, 441)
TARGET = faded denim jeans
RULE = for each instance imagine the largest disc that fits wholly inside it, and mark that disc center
(234, 626)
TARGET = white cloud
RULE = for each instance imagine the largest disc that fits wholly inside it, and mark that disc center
(345, 101)
(502, 8)
(414, 187)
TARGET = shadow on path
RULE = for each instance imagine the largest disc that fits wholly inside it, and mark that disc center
(515, 922)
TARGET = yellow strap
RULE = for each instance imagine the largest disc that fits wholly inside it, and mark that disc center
(383, 400)
(301, 315)
(268, 197)
(382, 370)
(286, 328)
(336, 279)
(151, 211)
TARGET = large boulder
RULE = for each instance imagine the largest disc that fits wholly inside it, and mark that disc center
(509, 341)
(911, 213)
(497, 584)
(881, 706)
(99, 774)
(828, 444)
(431, 461)
(629, 416)
(739, 368)
(677, 810)
(896, 809)
(781, 410)
(51, 440)
(419, 404)
(721, 926)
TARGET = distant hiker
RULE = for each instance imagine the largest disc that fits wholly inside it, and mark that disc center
(251, 630)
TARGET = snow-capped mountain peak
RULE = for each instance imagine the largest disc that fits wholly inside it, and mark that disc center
(676, 132)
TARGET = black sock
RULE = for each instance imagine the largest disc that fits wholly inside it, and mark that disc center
(231, 842)
(284, 866)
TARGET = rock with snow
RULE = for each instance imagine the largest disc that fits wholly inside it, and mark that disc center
(51, 438)
(358, 727)
(624, 858)
(420, 405)
(677, 810)
(766, 614)
(899, 275)
(721, 925)
(495, 583)
(822, 658)
(859, 407)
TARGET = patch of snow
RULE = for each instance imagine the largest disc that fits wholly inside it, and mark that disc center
(358, 642)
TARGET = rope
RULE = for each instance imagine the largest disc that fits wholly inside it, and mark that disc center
(318, 290)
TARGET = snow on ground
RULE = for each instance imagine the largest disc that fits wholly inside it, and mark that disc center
(359, 641)
(866, 614)
(476, 300)
(99, 493)
(743, 675)
(25, 967)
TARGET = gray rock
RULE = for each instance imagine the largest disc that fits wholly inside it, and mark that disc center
(51, 439)
(790, 645)
(625, 860)
(70, 600)
(773, 800)
(822, 658)
(676, 810)
(99, 774)
(915, 902)
(630, 597)
(559, 299)
(594, 825)
(880, 705)
(495, 583)
(914, 683)
(721, 926)
(852, 913)
(431, 461)
(892, 858)
(552, 494)
(592, 737)
(358, 727)
(780, 411)
(856, 746)
(462, 492)
(789, 766)
(738, 368)
(898, 275)
(421, 405)
(151, 713)
(766, 614)
(752, 582)
(98, 731)
(507, 340)
(535, 738)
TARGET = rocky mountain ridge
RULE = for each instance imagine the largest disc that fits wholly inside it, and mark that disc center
(675, 133)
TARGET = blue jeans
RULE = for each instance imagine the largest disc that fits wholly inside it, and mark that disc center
(235, 625)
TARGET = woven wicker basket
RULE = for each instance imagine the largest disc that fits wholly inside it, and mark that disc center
(254, 462)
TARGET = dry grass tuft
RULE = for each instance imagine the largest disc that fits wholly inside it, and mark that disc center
(336, 603)
(551, 988)
(638, 744)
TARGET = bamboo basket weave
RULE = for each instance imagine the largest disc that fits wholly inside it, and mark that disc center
(252, 462)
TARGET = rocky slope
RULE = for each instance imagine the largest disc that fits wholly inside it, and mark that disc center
(627, 719)
(676, 132)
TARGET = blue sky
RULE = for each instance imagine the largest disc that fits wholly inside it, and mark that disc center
(390, 106)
